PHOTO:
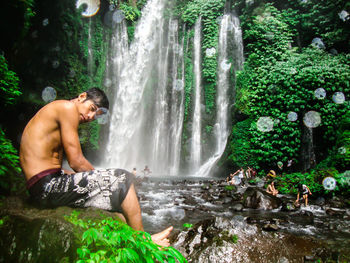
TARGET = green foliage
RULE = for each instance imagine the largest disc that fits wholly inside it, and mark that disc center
(277, 80)
(209, 11)
(10, 181)
(131, 13)
(240, 145)
(187, 225)
(9, 89)
(288, 183)
(235, 239)
(109, 240)
(229, 187)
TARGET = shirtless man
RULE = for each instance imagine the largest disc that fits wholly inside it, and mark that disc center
(54, 129)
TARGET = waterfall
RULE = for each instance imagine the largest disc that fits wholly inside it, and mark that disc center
(229, 32)
(177, 106)
(148, 105)
(196, 121)
(90, 58)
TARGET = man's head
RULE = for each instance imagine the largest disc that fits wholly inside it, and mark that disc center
(98, 97)
(91, 103)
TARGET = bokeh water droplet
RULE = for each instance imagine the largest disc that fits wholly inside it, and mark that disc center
(71, 73)
(329, 183)
(102, 115)
(210, 52)
(292, 116)
(276, 121)
(92, 7)
(312, 119)
(118, 16)
(111, 7)
(338, 97)
(35, 34)
(333, 51)
(269, 35)
(265, 124)
(318, 43)
(45, 22)
(343, 15)
(48, 94)
(342, 150)
(179, 85)
(320, 93)
(55, 64)
(108, 82)
(225, 65)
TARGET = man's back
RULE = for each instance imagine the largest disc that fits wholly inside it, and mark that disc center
(41, 144)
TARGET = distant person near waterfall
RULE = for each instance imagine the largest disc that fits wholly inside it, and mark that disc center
(303, 190)
(54, 129)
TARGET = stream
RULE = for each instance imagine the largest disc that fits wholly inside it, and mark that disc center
(179, 200)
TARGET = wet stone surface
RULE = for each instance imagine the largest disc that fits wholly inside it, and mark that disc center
(317, 231)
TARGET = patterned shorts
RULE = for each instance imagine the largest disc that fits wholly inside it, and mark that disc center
(102, 188)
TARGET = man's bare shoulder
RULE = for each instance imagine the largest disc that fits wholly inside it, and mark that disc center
(64, 107)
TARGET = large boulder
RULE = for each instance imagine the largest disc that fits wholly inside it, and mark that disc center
(234, 240)
(258, 199)
(29, 234)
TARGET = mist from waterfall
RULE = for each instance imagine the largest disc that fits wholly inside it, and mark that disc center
(230, 39)
(195, 150)
(147, 90)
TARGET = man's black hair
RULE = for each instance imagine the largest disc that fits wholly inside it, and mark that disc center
(98, 97)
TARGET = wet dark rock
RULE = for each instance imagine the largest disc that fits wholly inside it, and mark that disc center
(288, 206)
(270, 227)
(259, 199)
(30, 234)
(334, 212)
(310, 258)
(233, 240)
(228, 200)
(237, 207)
(320, 201)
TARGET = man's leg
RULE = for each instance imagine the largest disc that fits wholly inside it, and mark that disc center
(131, 209)
(132, 212)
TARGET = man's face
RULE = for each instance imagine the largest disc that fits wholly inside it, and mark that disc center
(87, 111)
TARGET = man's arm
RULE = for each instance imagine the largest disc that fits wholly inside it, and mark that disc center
(308, 189)
(69, 122)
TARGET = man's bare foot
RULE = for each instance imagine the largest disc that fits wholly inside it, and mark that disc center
(161, 238)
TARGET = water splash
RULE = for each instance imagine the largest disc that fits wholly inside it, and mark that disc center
(230, 33)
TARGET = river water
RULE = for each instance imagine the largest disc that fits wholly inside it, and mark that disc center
(179, 200)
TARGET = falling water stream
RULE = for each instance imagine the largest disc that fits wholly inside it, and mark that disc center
(147, 83)
(196, 123)
(229, 30)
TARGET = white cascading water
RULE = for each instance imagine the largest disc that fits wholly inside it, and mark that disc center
(134, 72)
(177, 106)
(195, 150)
(229, 28)
(147, 114)
(90, 53)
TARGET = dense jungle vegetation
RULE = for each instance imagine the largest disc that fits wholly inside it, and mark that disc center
(46, 45)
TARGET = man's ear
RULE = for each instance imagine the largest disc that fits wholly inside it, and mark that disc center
(82, 97)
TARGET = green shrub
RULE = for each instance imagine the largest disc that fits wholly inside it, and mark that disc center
(109, 240)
